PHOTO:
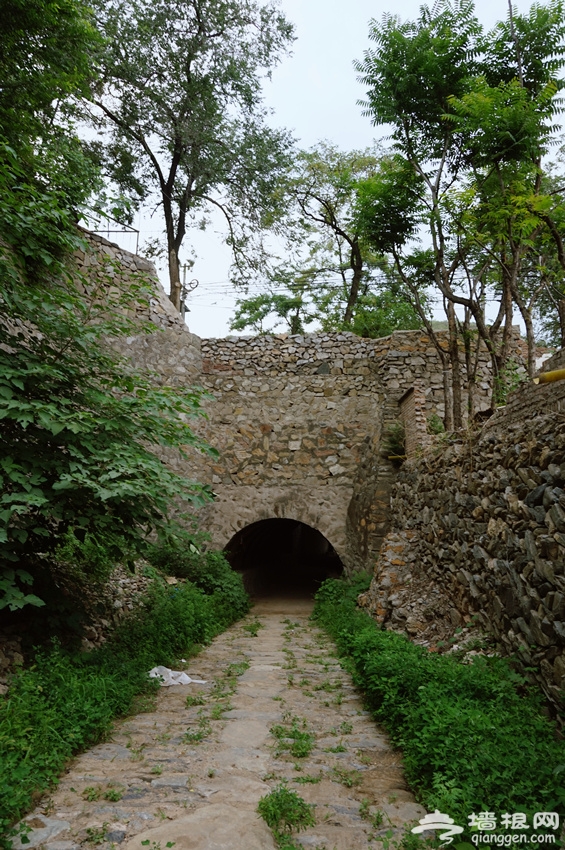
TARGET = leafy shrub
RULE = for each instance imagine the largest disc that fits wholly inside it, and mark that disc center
(469, 740)
(284, 812)
(435, 424)
(81, 430)
(66, 702)
(394, 441)
(208, 570)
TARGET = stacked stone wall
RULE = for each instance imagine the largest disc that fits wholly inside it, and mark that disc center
(298, 421)
(294, 444)
(395, 363)
(413, 416)
(478, 530)
(170, 351)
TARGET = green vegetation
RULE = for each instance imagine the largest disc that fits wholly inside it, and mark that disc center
(65, 702)
(81, 484)
(339, 748)
(293, 737)
(284, 812)
(180, 100)
(466, 204)
(349, 778)
(472, 735)
(374, 818)
(335, 279)
(209, 570)
(253, 627)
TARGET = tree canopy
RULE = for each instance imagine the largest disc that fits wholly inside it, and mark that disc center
(180, 109)
(78, 468)
(472, 116)
(326, 271)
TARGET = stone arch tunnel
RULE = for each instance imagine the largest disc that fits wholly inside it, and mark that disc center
(280, 555)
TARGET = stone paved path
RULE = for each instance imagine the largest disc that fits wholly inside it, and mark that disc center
(193, 774)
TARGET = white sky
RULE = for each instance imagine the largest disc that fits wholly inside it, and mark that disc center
(314, 93)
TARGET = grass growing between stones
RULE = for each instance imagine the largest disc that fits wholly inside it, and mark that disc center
(66, 702)
(253, 627)
(293, 738)
(285, 812)
(470, 741)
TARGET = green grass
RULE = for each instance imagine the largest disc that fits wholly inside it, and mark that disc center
(285, 812)
(66, 702)
(253, 627)
(293, 738)
(473, 736)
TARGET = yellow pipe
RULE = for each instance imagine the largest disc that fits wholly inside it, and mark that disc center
(548, 377)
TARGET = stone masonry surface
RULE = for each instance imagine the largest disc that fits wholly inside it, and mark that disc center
(298, 421)
(171, 352)
(154, 781)
(478, 530)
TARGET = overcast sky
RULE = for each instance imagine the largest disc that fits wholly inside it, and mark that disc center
(314, 93)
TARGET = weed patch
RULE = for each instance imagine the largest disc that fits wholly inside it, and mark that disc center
(293, 738)
(285, 812)
(253, 627)
(307, 780)
(349, 778)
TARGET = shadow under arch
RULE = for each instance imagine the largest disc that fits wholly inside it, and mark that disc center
(282, 557)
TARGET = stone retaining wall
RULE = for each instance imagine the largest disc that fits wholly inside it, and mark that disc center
(478, 530)
(170, 351)
(298, 420)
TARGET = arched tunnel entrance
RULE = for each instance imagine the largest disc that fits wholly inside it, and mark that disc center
(282, 557)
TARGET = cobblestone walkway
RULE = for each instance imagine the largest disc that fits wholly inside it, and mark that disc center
(192, 771)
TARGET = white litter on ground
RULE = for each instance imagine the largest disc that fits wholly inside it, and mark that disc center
(173, 677)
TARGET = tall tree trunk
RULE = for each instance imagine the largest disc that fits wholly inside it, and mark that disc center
(500, 352)
(447, 395)
(174, 278)
(455, 366)
(561, 311)
(356, 263)
(416, 302)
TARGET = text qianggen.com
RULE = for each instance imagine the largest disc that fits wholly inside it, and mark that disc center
(508, 839)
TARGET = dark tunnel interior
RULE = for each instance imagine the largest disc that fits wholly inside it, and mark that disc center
(282, 556)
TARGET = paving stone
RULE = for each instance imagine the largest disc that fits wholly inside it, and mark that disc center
(216, 826)
(116, 834)
(41, 834)
(172, 781)
(110, 752)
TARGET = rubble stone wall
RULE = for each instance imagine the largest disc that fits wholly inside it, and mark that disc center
(478, 530)
(413, 417)
(291, 433)
(298, 421)
(170, 351)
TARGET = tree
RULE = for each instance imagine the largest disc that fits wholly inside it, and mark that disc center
(79, 469)
(286, 297)
(180, 107)
(47, 50)
(329, 274)
(470, 118)
(505, 122)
